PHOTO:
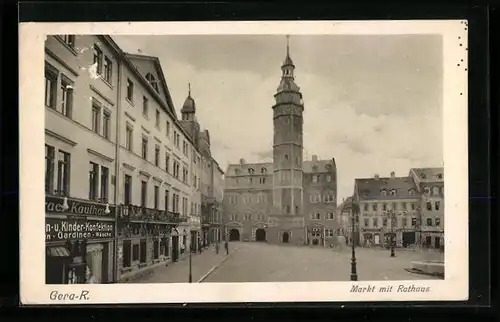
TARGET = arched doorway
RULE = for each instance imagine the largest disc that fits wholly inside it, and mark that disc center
(260, 235)
(315, 241)
(234, 235)
(286, 237)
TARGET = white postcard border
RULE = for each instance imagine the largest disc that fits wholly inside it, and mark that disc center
(32, 197)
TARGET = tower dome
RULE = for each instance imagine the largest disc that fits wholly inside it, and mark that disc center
(189, 105)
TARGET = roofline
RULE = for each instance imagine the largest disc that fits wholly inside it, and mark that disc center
(156, 96)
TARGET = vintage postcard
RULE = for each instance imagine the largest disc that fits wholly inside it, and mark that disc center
(243, 162)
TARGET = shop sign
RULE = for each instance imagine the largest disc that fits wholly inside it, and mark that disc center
(78, 207)
(71, 229)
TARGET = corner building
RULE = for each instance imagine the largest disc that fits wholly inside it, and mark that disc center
(288, 200)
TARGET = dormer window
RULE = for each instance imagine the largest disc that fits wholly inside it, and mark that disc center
(315, 168)
(427, 190)
(263, 170)
(236, 171)
(152, 81)
(383, 192)
(440, 176)
(393, 192)
(250, 171)
(435, 191)
(411, 192)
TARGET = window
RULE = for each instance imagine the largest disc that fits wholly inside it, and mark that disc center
(93, 180)
(414, 222)
(63, 172)
(167, 127)
(96, 113)
(440, 176)
(383, 193)
(50, 86)
(167, 162)
(127, 189)
(328, 178)
(330, 216)
(316, 216)
(393, 192)
(157, 197)
(436, 205)
(411, 192)
(66, 97)
(167, 195)
(68, 40)
(286, 156)
(438, 221)
(315, 178)
(427, 190)
(429, 205)
(384, 222)
(49, 169)
(98, 59)
(374, 207)
(108, 70)
(263, 170)
(130, 90)
(413, 207)
(384, 207)
(184, 175)
(128, 138)
(158, 119)
(429, 222)
(394, 206)
(104, 184)
(365, 207)
(375, 222)
(144, 193)
(250, 171)
(145, 106)
(406, 221)
(144, 148)
(106, 120)
(366, 222)
(157, 155)
(152, 80)
(404, 206)
(435, 191)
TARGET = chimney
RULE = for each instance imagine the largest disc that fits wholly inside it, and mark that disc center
(393, 174)
(315, 158)
(242, 161)
(376, 176)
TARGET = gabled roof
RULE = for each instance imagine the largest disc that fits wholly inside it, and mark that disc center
(322, 166)
(427, 175)
(243, 169)
(159, 72)
(371, 188)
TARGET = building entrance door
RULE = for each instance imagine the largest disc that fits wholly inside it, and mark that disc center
(234, 235)
(260, 235)
(437, 242)
(175, 248)
(286, 237)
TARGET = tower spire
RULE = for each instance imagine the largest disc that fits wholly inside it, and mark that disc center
(288, 45)
(189, 89)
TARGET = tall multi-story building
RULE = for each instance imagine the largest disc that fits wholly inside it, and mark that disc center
(430, 185)
(138, 202)
(289, 200)
(345, 216)
(409, 208)
(389, 210)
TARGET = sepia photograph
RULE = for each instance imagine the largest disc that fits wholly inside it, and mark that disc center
(248, 159)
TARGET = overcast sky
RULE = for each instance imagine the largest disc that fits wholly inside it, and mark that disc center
(374, 103)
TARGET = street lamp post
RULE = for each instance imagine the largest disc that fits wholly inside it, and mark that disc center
(392, 216)
(354, 273)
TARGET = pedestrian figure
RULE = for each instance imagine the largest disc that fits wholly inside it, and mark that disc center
(200, 249)
(226, 245)
(182, 248)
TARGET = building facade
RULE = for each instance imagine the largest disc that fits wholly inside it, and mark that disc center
(138, 202)
(402, 210)
(430, 185)
(289, 200)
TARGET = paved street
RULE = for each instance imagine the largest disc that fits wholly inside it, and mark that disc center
(254, 262)
(179, 272)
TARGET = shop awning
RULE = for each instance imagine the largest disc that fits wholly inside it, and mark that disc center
(58, 251)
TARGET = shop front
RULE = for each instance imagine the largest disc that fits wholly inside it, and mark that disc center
(145, 238)
(79, 239)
